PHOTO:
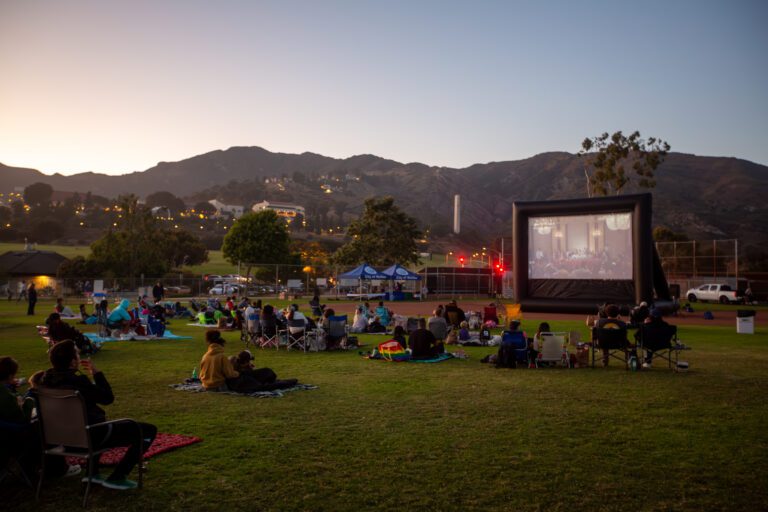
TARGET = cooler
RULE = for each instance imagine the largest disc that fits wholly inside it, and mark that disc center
(745, 321)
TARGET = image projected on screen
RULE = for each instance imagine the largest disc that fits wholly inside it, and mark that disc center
(580, 247)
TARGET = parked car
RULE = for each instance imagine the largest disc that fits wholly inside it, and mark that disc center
(224, 289)
(721, 293)
(178, 290)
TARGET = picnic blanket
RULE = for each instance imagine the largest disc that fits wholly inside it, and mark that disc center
(162, 443)
(197, 387)
(438, 359)
(167, 335)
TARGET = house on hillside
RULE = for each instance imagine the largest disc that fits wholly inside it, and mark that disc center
(282, 209)
(31, 265)
(222, 210)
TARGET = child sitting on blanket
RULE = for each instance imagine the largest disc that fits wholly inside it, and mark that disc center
(464, 331)
(399, 336)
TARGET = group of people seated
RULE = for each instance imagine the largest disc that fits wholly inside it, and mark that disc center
(236, 373)
(67, 371)
(641, 318)
(368, 320)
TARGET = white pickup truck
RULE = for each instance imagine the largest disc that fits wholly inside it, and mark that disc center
(721, 293)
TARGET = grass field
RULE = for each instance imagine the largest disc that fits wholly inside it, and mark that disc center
(451, 436)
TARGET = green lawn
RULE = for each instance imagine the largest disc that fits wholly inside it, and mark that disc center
(452, 436)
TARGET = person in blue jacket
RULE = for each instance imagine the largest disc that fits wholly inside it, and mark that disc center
(119, 318)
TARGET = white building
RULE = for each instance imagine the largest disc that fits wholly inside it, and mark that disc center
(289, 211)
(222, 209)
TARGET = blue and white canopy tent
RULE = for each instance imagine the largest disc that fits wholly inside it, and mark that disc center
(399, 273)
(364, 271)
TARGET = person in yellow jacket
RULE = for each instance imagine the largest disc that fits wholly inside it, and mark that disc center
(215, 367)
(218, 374)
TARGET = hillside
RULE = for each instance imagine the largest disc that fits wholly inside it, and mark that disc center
(705, 197)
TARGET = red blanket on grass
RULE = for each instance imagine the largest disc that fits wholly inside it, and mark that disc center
(162, 443)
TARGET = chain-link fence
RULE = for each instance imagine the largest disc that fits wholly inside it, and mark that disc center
(690, 264)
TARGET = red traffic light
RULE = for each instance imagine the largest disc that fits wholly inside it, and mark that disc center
(461, 259)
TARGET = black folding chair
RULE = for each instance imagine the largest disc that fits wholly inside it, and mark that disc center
(660, 340)
(612, 341)
(64, 430)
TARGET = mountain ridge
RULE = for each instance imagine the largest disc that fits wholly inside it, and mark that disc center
(702, 196)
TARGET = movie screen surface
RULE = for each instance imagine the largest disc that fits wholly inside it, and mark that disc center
(580, 247)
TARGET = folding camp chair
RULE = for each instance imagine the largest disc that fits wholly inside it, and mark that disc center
(269, 335)
(452, 317)
(438, 329)
(513, 312)
(660, 341)
(611, 341)
(337, 331)
(64, 430)
(295, 334)
(553, 349)
(251, 330)
(513, 349)
(490, 315)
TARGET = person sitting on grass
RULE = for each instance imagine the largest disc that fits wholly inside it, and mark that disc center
(383, 313)
(360, 321)
(464, 332)
(61, 309)
(423, 344)
(218, 374)
(66, 374)
(243, 364)
(399, 336)
(59, 330)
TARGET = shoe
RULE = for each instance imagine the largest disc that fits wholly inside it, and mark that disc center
(73, 470)
(120, 485)
(647, 366)
(95, 479)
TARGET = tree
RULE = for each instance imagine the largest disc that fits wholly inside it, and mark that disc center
(38, 194)
(135, 247)
(610, 155)
(140, 246)
(258, 238)
(79, 267)
(184, 248)
(46, 231)
(664, 234)
(163, 198)
(383, 235)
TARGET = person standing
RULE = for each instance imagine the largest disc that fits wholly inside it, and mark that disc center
(158, 291)
(22, 291)
(31, 299)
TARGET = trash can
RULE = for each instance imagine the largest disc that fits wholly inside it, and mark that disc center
(745, 321)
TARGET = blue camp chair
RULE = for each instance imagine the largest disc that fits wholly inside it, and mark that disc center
(516, 342)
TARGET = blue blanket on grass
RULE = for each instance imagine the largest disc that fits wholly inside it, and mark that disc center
(167, 335)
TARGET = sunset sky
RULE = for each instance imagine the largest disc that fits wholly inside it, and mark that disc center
(115, 87)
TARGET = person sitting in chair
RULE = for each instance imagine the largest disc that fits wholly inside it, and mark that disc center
(656, 321)
(383, 313)
(610, 321)
(64, 374)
